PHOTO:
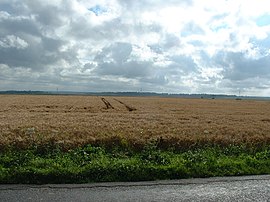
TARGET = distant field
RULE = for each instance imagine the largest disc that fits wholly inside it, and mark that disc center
(71, 121)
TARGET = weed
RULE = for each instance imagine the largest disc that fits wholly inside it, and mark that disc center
(97, 164)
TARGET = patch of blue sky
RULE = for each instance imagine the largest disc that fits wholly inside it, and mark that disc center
(219, 27)
(6, 7)
(262, 44)
(197, 43)
(98, 10)
(263, 20)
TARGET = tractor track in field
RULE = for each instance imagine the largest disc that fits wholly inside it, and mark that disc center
(107, 103)
(129, 108)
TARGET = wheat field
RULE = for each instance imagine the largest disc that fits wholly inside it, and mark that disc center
(71, 121)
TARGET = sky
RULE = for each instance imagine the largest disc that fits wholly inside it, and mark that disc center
(172, 46)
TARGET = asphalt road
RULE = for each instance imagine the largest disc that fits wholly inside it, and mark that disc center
(247, 188)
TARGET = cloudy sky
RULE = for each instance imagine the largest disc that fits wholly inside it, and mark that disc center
(174, 46)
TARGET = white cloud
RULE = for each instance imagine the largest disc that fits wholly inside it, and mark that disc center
(170, 46)
(11, 41)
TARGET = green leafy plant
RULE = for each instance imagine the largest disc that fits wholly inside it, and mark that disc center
(98, 164)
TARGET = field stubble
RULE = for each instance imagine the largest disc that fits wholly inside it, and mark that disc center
(71, 121)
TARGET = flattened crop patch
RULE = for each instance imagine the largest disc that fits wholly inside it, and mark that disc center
(129, 108)
(107, 103)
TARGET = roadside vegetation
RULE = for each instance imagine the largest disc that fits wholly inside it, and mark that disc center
(80, 139)
(98, 164)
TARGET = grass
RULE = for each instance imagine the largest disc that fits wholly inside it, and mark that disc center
(96, 164)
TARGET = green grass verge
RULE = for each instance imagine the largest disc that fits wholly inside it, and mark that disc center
(97, 164)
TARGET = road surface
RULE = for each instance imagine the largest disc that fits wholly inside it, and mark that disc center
(247, 188)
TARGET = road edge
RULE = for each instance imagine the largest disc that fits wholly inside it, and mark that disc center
(133, 184)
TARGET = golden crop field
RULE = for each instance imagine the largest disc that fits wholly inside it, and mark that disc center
(77, 120)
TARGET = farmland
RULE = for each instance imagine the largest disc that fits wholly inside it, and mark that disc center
(82, 139)
(72, 121)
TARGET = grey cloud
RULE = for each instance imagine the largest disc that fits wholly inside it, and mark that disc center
(30, 57)
(168, 41)
(156, 48)
(132, 69)
(115, 60)
(141, 28)
(12, 41)
(17, 25)
(23, 43)
(51, 45)
(245, 86)
(183, 63)
(81, 28)
(36, 55)
(88, 66)
(14, 7)
(171, 41)
(155, 80)
(47, 15)
(118, 52)
(6, 7)
(242, 67)
(109, 30)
